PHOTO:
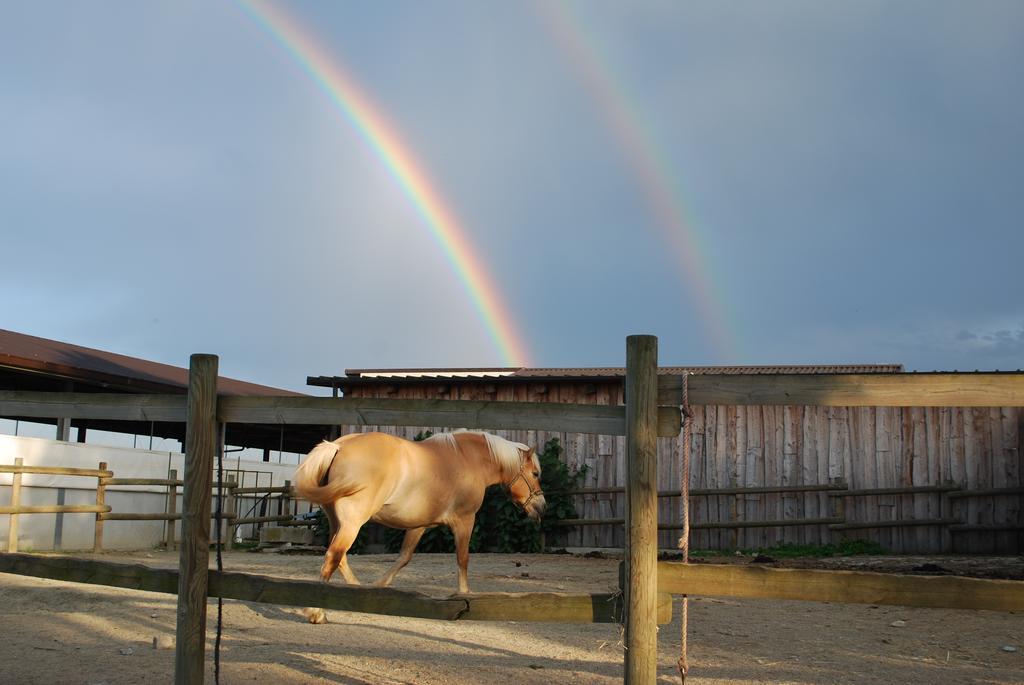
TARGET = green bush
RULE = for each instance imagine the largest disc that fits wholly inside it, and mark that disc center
(845, 548)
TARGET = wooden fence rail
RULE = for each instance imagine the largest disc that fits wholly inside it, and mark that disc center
(837, 490)
(547, 607)
(847, 587)
(861, 390)
(577, 418)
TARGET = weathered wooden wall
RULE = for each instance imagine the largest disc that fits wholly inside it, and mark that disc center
(736, 446)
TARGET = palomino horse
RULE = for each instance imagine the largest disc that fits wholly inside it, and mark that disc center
(413, 486)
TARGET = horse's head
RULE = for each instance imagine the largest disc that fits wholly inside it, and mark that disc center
(524, 488)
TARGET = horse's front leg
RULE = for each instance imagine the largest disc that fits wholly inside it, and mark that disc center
(462, 529)
(412, 538)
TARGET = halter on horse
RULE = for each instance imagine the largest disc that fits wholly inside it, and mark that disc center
(413, 486)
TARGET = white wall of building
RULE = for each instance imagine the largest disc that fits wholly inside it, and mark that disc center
(37, 532)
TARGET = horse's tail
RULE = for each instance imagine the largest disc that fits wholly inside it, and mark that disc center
(311, 477)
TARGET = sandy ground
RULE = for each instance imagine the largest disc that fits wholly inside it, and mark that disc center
(55, 632)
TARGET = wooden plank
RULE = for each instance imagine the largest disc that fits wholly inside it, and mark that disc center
(571, 418)
(698, 477)
(136, 516)
(554, 416)
(201, 440)
(531, 606)
(143, 481)
(55, 509)
(171, 508)
(933, 422)
(737, 511)
(862, 442)
(711, 461)
(775, 447)
(919, 467)
(705, 525)
(972, 460)
(554, 607)
(844, 587)
(1004, 458)
(813, 468)
(89, 405)
(641, 631)
(945, 509)
(910, 490)
(793, 446)
(12, 530)
(883, 473)
(958, 458)
(670, 391)
(241, 586)
(1020, 472)
(304, 593)
(919, 523)
(259, 490)
(753, 476)
(984, 492)
(54, 471)
(862, 390)
(983, 431)
(724, 444)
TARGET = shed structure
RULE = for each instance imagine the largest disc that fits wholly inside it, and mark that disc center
(745, 447)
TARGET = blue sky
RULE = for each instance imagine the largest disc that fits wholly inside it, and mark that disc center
(171, 182)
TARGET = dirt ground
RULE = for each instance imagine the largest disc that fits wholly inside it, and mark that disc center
(56, 632)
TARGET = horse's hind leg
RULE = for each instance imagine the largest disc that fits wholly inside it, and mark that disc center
(412, 538)
(337, 553)
(336, 558)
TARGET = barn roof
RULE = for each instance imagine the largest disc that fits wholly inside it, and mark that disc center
(28, 354)
(499, 374)
(38, 364)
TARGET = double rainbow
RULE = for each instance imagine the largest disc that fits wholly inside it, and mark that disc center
(652, 171)
(383, 140)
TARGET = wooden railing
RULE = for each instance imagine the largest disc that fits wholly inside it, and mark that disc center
(838, 491)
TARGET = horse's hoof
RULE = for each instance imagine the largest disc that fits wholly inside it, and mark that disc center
(315, 616)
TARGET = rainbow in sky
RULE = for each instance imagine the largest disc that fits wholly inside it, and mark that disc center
(382, 138)
(652, 171)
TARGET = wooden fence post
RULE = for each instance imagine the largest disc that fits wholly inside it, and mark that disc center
(200, 446)
(12, 531)
(101, 499)
(641, 589)
(228, 514)
(171, 508)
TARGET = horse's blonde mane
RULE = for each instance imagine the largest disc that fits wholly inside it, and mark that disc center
(505, 452)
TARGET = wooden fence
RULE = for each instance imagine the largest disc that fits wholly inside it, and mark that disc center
(837, 516)
(642, 420)
(103, 512)
(751, 465)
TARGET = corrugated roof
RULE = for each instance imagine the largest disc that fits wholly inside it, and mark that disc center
(76, 363)
(569, 373)
(714, 370)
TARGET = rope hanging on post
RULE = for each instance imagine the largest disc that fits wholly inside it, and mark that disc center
(220, 544)
(684, 539)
